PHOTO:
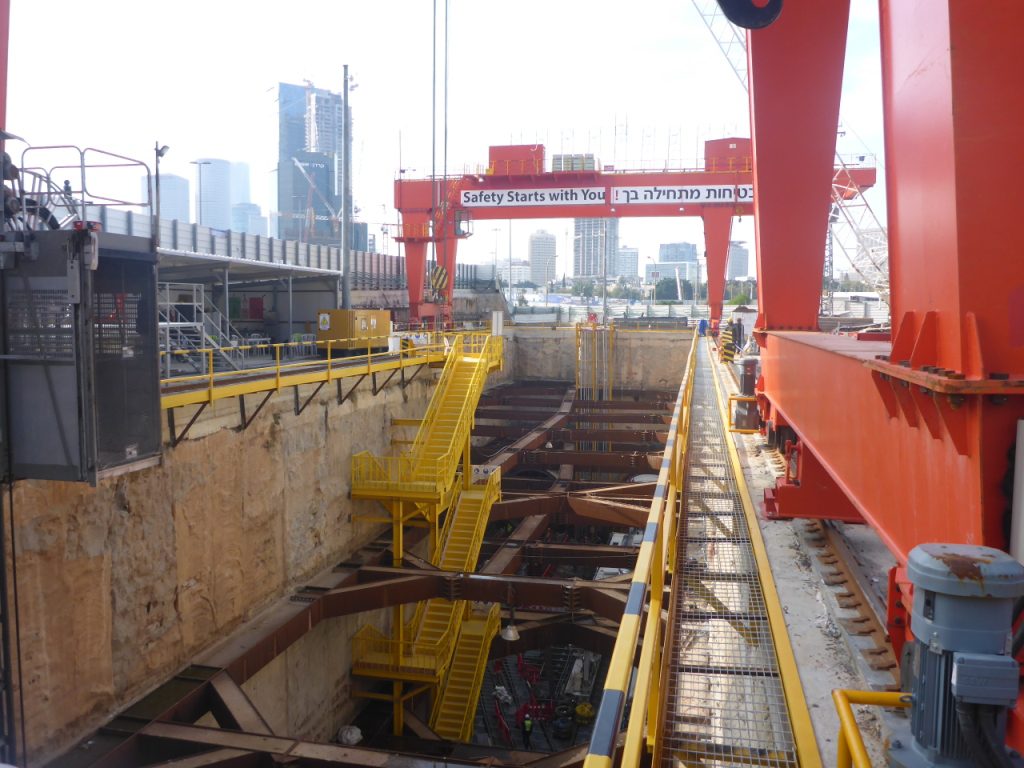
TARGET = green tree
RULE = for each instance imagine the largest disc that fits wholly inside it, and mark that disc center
(583, 288)
(665, 289)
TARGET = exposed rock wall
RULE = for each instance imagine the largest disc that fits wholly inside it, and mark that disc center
(643, 360)
(121, 585)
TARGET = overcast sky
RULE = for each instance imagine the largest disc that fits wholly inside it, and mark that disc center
(640, 84)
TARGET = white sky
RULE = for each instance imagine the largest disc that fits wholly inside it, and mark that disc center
(639, 84)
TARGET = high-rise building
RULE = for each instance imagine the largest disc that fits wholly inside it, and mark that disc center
(310, 124)
(542, 257)
(520, 272)
(213, 193)
(627, 262)
(173, 196)
(677, 252)
(240, 183)
(596, 241)
(689, 271)
(248, 218)
(739, 260)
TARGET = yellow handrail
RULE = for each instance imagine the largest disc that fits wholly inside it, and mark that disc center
(648, 580)
(850, 749)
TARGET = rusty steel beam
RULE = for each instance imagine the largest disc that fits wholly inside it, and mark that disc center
(515, 509)
(614, 460)
(620, 418)
(637, 491)
(594, 556)
(567, 758)
(222, 758)
(233, 709)
(526, 590)
(644, 407)
(500, 430)
(509, 457)
(647, 436)
(317, 754)
(610, 511)
(509, 556)
(548, 401)
(500, 413)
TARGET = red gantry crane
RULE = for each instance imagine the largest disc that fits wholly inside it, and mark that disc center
(517, 185)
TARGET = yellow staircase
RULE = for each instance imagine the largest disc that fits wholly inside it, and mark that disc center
(429, 639)
(424, 482)
(453, 714)
(427, 471)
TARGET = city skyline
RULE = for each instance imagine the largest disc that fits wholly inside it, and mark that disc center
(569, 113)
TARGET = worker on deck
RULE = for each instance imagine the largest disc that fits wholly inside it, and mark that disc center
(702, 327)
(527, 730)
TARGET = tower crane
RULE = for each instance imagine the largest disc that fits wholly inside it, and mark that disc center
(864, 240)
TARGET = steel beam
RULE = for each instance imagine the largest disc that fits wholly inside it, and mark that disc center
(317, 754)
(509, 556)
(616, 460)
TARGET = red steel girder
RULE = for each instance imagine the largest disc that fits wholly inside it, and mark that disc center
(796, 68)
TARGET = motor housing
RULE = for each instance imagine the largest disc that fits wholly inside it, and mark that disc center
(958, 670)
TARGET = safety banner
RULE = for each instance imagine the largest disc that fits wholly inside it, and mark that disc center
(704, 194)
(506, 198)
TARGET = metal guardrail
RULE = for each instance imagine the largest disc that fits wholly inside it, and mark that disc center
(648, 580)
(283, 371)
(850, 750)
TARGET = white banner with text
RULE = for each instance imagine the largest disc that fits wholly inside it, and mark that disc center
(506, 198)
(705, 194)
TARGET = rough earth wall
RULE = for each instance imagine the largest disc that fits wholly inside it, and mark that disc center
(643, 360)
(121, 585)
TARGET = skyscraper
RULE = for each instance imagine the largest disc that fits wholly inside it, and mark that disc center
(739, 260)
(248, 218)
(240, 183)
(677, 252)
(310, 124)
(595, 241)
(173, 196)
(213, 184)
(627, 263)
(542, 257)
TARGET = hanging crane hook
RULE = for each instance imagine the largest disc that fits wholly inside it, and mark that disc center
(751, 14)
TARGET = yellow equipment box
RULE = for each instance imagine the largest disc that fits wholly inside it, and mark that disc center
(353, 329)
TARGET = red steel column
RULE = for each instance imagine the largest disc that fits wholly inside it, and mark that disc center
(954, 153)
(717, 227)
(796, 71)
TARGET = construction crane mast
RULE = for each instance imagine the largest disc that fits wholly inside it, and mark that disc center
(863, 239)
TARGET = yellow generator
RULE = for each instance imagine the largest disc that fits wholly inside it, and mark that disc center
(353, 330)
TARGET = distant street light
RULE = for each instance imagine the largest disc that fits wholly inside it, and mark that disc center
(159, 151)
(199, 173)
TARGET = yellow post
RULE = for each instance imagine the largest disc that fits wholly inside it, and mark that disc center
(467, 466)
(329, 358)
(397, 549)
(398, 709)
(277, 366)
(210, 371)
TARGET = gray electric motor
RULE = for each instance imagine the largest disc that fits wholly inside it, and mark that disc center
(959, 670)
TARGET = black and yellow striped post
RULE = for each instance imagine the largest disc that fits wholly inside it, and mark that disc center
(726, 344)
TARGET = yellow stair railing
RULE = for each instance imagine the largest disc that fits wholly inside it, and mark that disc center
(429, 468)
(430, 638)
(453, 714)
